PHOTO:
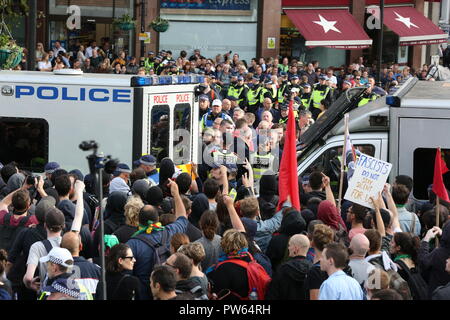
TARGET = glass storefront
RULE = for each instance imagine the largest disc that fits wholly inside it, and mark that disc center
(214, 27)
(96, 24)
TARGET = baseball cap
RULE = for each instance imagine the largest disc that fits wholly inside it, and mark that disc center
(232, 98)
(322, 77)
(234, 76)
(43, 206)
(212, 76)
(151, 52)
(217, 102)
(256, 78)
(268, 81)
(348, 82)
(284, 107)
(294, 77)
(240, 78)
(203, 97)
(51, 167)
(305, 179)
(59, 256)
(283, 74)
(67, 286)
(147, 160)
(306, 85)
(77, 173)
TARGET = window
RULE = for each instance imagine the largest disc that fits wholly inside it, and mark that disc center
(329, 162)
(182, 134)
(424, 170)
(160, 131)
(24, 141)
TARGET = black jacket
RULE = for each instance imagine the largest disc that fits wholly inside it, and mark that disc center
(292, 223)
(288, 282)
(432, 264)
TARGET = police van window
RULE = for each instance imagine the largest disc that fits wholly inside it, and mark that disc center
(182, 134)
(423, 171)
(160, 131)
(329, 163)
(24, 141)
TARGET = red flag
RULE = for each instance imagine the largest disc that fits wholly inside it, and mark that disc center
(288, 179)
(438, 181)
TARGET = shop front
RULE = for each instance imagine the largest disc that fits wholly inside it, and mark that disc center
(313, 31)
(96, 24)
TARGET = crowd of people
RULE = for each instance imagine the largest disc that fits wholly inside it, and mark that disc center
(219, 231)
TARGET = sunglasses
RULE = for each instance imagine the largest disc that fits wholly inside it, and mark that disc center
(131, 257)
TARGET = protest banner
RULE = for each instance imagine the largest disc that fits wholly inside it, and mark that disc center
(368, 180)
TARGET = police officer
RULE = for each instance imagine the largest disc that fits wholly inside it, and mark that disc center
(214, 85)
(367, 97)
(158, 66)
(284, 110)
(284, 87)
(59, 281)
(216, 112)
(149, 62)
(321, 91)
(270, 91)
(239, 89)
(148, 163)
(263, 159)
(306, 96)
(254, 95)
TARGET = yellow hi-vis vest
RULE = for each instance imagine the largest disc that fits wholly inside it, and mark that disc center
(252, 96)
(260, 164)
(318, 95)
(364, 101)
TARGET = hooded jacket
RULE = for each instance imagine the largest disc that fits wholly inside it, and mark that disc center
(115, 211)
(292, 223)
(288, 282)
(432, 264)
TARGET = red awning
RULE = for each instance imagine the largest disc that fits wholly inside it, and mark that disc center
(412, 27)
(332, 28)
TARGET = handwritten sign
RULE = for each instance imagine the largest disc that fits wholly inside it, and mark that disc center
(368, 179)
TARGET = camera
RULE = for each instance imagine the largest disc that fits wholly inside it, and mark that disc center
(88, 145)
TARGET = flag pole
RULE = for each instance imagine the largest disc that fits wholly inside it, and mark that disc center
(341, 182)
(437, 210)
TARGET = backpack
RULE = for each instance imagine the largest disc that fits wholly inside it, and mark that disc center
(161, 249)
(19, 268)
(8, 232)
(418, 286)
(396, 282)
(257, 277)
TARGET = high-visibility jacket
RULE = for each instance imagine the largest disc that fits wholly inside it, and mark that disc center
(366, 98)
(84, 293)
(254, 95)
(272, 94)
(260, 164)
(319, 93)
(148, 65)
(224, 158)
(281, 92)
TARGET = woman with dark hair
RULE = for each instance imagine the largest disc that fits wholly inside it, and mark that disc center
(223, 215)
(120, 284)
(209, 224)
(405, 248)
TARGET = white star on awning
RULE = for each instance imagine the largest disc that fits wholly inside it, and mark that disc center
(327, 25)
(406, 21)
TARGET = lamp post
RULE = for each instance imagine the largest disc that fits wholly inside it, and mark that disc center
(142, 27)
(31, 43)
(380, 42)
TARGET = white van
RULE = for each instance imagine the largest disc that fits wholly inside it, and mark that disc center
(45, 116)
(404, 129)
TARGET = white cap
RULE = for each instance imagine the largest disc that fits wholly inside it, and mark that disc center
(217, 102)
(59, 256)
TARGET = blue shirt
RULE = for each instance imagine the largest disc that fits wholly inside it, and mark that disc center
(143, 254)
(340, 286)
